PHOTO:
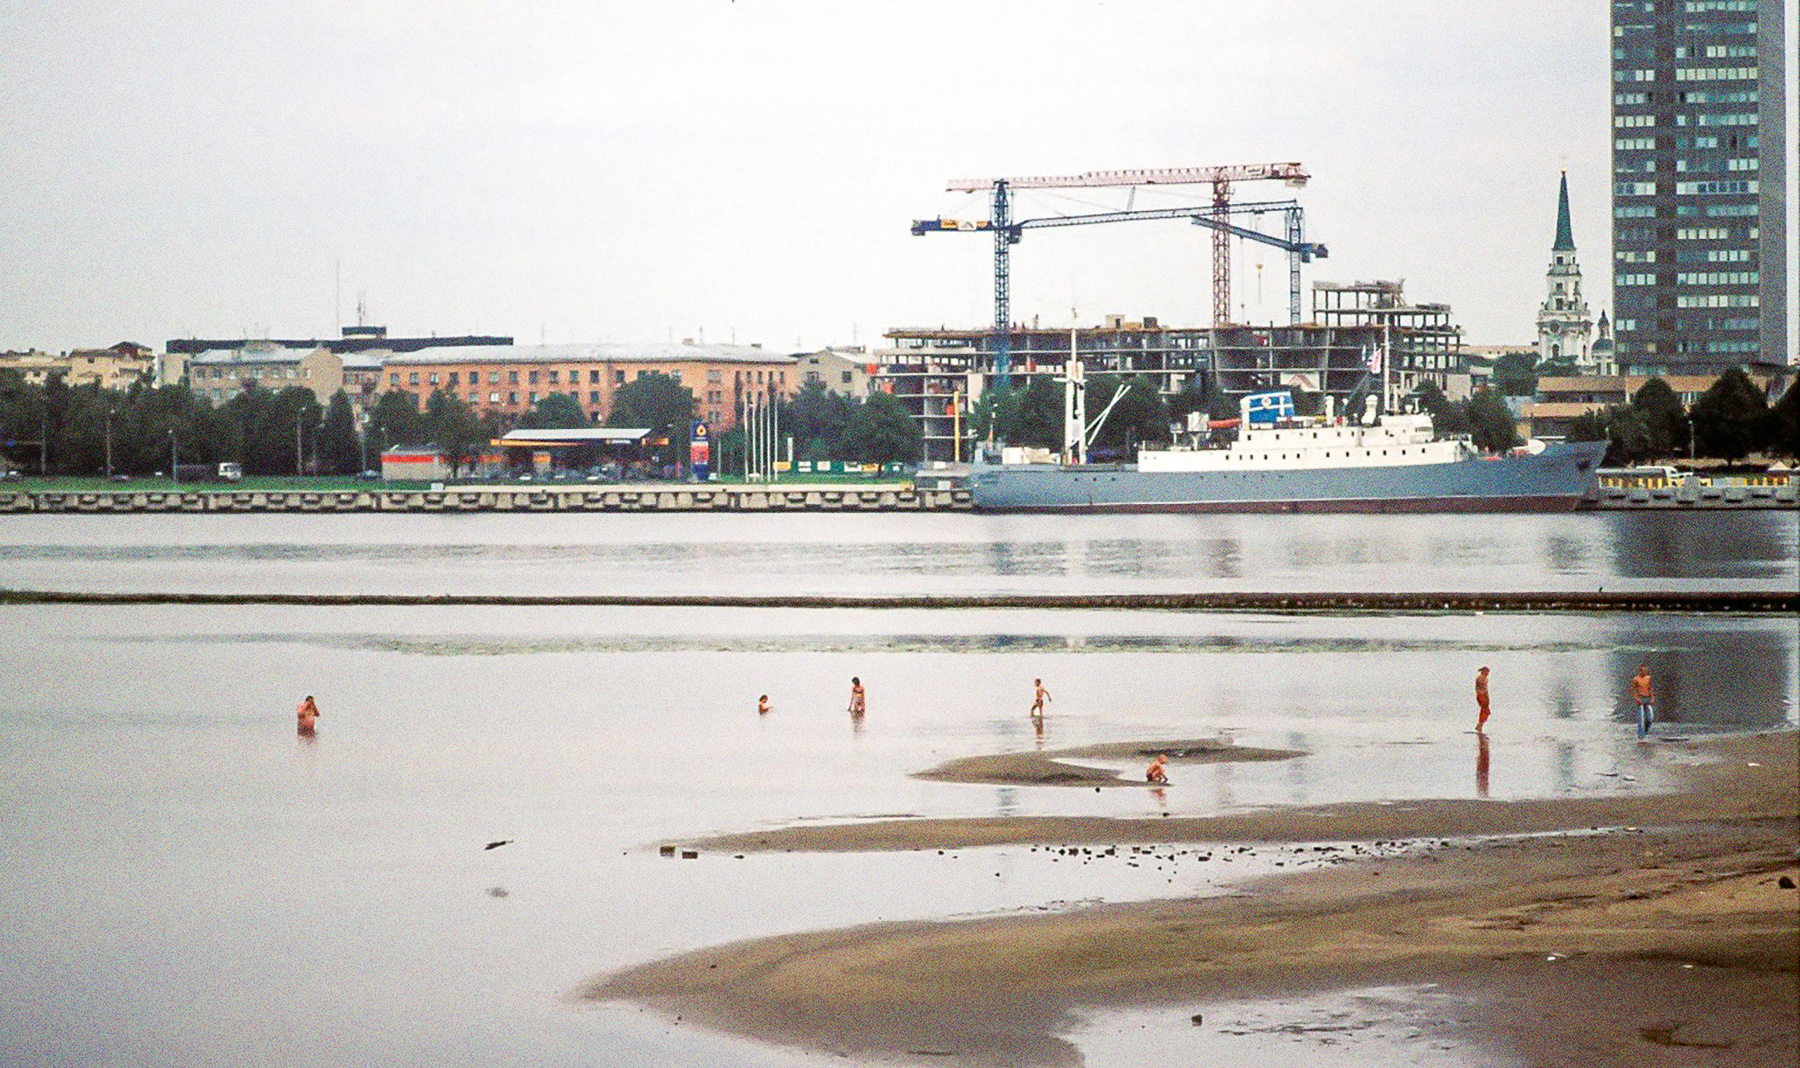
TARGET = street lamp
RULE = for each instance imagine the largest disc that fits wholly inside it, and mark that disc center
(174, 471)
(298, 412)
(109, 415)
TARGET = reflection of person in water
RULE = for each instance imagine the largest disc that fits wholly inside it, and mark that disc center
(856, 696)
(1481, 765)
(307, 714)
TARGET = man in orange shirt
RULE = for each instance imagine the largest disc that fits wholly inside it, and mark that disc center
(1481, 698)
(1645, 698)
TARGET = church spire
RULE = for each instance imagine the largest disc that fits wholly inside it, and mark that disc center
(1565, 234)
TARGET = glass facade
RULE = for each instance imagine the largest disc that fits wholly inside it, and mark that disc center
(1698, 160)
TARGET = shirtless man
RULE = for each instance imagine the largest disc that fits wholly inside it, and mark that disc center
(1645, 698)
(762, 705)
(1154, 773)
(1038, 698)
(1481, 698)
(856, 696)
(307, 714)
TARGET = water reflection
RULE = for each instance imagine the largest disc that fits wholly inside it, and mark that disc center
(896, 553)
(1730, 679)
(1679, 544)
(1481, 764)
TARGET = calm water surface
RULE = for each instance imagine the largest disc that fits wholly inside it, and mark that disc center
(889, 553)
(187, 883)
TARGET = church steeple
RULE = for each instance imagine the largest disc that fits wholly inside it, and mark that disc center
(1563, 324)
(1565, 234)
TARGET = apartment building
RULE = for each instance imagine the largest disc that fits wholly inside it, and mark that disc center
(509, 379)
(1699, 185)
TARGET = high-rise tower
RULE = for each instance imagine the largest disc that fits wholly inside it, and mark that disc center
(1699, 184)
(1563, 323)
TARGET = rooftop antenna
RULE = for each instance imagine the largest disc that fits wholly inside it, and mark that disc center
(362, 308)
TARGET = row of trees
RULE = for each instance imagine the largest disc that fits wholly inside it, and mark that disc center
(1728, 422)
(141, 430)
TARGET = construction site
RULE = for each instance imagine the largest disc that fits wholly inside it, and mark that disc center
(1355, 339)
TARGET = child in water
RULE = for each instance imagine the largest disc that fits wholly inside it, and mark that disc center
(856, 696)
(762, 705)
(1154, 773)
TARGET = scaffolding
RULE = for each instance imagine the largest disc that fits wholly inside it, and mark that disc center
(937, 373)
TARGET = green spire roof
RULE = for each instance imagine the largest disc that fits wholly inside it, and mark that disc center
(1565, 236)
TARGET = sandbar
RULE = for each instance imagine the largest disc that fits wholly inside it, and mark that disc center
(1628, 929)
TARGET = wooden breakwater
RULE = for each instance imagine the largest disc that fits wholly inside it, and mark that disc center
(674, 497)
(1458, 601)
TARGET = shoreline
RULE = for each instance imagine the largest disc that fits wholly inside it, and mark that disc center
(1652, 920)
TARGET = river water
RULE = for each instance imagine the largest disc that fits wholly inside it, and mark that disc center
(188, 883)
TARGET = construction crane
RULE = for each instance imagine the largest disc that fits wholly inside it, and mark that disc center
(1007, 232)
(1294, 243)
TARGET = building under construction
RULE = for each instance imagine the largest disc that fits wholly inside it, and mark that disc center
(1362, 337)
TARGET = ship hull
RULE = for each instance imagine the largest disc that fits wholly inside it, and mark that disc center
(1554, 480)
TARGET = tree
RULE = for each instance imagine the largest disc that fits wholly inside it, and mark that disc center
(817, 418)
(1665, 424)
(396, 420)
(1783, 432)
(881, 432)
(1491, 423)
(1515, 374)
(1448, 418)
(1561, 367)
(995, 416)
(1140, 415)
(653, 400)
(557, 411)
(340, 451)
(455, 430)
(272, 429)
(1730, 417)
(1040, 419)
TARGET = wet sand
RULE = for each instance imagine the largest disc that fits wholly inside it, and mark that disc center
(1063, 767)
(1641, 930)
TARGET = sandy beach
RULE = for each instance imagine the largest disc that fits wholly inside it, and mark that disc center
(1648, 929)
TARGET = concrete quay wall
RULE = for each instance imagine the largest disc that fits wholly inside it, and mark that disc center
(670, 498)
(1698, 496)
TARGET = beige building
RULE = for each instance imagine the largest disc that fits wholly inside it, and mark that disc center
(1560, 401)
(510, 379)
(114, 368)
(839, 370)
(221, 374)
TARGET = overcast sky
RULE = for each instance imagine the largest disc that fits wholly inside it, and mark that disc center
(596, 170)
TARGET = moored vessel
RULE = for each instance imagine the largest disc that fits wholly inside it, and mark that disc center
(1271, 460)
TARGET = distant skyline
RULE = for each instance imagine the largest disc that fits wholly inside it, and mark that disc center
(747, 171)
